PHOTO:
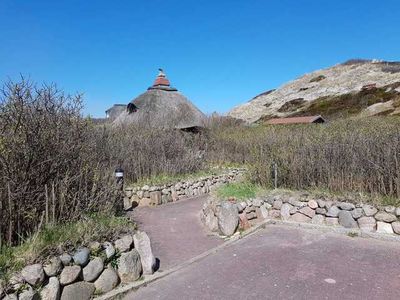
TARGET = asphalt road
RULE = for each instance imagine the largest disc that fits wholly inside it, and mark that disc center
(287, 263)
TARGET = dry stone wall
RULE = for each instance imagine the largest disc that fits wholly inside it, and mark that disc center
(84, 272)
(147, 195)
(303, 208)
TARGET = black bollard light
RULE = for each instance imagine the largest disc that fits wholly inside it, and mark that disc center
(119, 175)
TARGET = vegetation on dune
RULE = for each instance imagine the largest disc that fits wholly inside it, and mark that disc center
(360, 155)
(334, 107)
(239, 190)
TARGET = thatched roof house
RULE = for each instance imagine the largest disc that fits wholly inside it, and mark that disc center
(162, 106)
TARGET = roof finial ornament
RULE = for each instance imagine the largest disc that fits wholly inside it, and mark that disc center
(161, 73)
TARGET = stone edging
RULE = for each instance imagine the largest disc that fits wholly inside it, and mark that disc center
(83, 272)
(156, 195)
(226, 216)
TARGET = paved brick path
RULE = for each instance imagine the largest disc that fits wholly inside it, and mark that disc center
(274, 263)
(175, 230)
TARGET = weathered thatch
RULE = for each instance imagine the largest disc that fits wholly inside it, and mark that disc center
(162, 107)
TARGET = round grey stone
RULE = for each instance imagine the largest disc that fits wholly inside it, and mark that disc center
(52, 290)
(129, 266)
(53, 267)
(93, 269)
(367, 224)
(369, 210)
(33, 274)
(81, 256)
(333, 211)
(385, 217)
(228, 218)
(124, 244)
(107, 281)
(70, 274)
(347, 220)
(357, 213)
(66, 259)
(79, 290)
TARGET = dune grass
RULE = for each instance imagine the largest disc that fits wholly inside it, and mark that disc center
(239, 190)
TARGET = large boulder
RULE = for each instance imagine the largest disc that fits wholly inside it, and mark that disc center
(396, 227)
(369, 210)
(347, 220)
(228, 218)
(385, 217)
(211, 221)
(285, 211)
(129, 266)
(81, 256)
(142, 244)
(333, 212)
(346, 206)
(383, 227)
(93, 269)
(53, 267)
(309, 212)
(124, 244)
(66, 259)
(109, 249)
(79, 290)
(298, 217)
(33, 274)
(367, 224)
(28, 294)
(70, 274)
(52, 290)
(107, 281)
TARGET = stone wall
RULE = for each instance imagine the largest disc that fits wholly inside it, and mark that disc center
(147, 195)
(300, 207)
(84, 272)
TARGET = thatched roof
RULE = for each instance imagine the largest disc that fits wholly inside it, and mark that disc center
(163, 107)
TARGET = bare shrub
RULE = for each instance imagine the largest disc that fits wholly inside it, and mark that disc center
(145, 151)
(50, 172)
(355, 155)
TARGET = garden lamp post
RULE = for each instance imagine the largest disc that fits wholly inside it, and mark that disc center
(119, 175)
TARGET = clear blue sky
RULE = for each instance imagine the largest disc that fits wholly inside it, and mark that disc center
(218, 53)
